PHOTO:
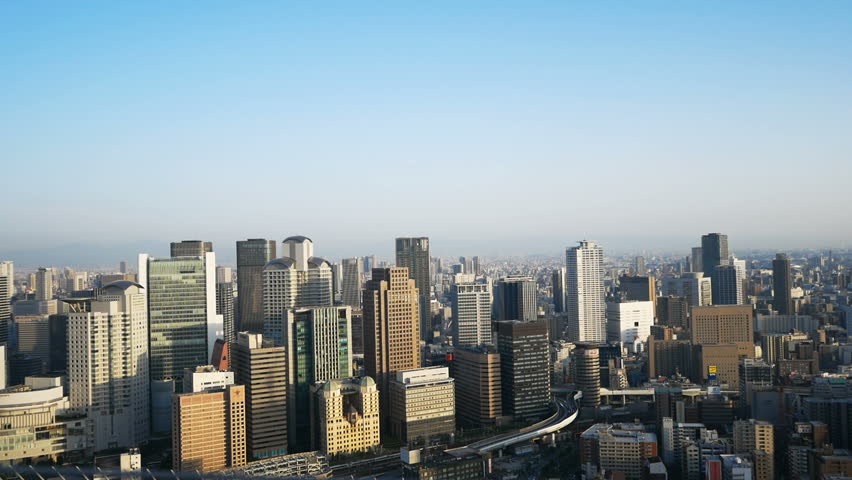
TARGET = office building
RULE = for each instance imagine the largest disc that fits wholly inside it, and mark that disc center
(714, 251)
(672, 311)
(209, 430)
(37, 425)
(587, 373)
(629, 323)
(638, 288)
(190, 248)
(225, 308)
(831, 403)
(33, 334)
(785, 323)
(667, 358)
(752, 373)
(352, 283)
(471, 310)
(720, 362)
(182, 316)
(721, 324)
(206, 377)
(317, 342)
(616, 449)
(261, 368)
(44, 284)
(782, 285)
(413, 254)
(515, 299)
(422, 404)
(297, 280)
(675, 436)
(558, 290)
(108, 366)
(348, 415)
(476, 371)
(756, 438)
(252, 255)
(727, 285)
(697, 260)
(694, 287)
(524, 369)
(7, 269)
(57, 326)
(391, 326)
(585, 293)
(5, 306)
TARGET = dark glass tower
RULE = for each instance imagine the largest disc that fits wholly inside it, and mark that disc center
(413, 254)
(782, 284)
(252, 255)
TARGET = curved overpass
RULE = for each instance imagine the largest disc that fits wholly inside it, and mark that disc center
(566, 412)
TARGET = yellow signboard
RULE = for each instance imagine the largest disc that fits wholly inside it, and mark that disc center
(711, 369)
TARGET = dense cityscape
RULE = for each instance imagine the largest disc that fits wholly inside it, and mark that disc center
(583, 366)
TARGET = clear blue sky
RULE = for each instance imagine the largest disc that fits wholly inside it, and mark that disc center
(489, 126)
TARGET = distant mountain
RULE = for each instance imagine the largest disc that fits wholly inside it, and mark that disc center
(84, 255)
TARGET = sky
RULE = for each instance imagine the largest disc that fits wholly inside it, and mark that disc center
(492, 127)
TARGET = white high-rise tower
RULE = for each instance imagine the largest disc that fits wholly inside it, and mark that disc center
(584, 292)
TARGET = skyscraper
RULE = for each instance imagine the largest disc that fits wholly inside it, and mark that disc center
(587, 373)
(352, 284)
(261, 368)
(524, 368)
(413, 254)
(782, 285)
(7, 269)
(5, 307)
(639, 288)
(727, 286)
(696, 288)
(44, 283)
(252, 255)
(722, 324)
(672, 311)
(478, 390)
(297, 280)
(209, 429)
(225, 308)
(391, 326)
(348, 415)
(181, 295)
(757, 439)
(697, 259)
(714, 249)
(422, 404)
(585, 292)
(190, 248)
(108, 366)
(317, 342)
(558, 289)
(471, 307)
(515, 299)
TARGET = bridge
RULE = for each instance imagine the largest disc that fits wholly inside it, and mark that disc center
(567, 410)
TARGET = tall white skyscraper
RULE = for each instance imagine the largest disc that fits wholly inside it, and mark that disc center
(7, 269)
(108, 366)
(297, 280)
(471, 306)
(584, 292)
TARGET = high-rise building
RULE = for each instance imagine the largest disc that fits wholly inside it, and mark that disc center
(714, 251)
(697, 259)
(190, 248)
(727, 285)
(477, 266)
(720, 362)
(667, 358)
(619, 449)
(413, 254)
(476, 371)
(782, 285)
(756, 438)
(422, 404)
(122, 267)
(209, 429)
(694, 287)
(252, 255)
(721, 324)
(348, 417)
(352, 284)
(629, 322)
(206, 377)
(585, 293)
(471, 307)
(672, 311)
(639, 265)
(391, 326)
(587, 373)
(6, 281)
(58, 340)
(558, 289)
(524, 368)
(108, 366)
(181, 295)
(33, 334)
(262, 369)
(7, 269)
(317, 342)
(225, 308)
(297, 280)
(639, 288)
(753, 373)
(515, 299)
(44, 283)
